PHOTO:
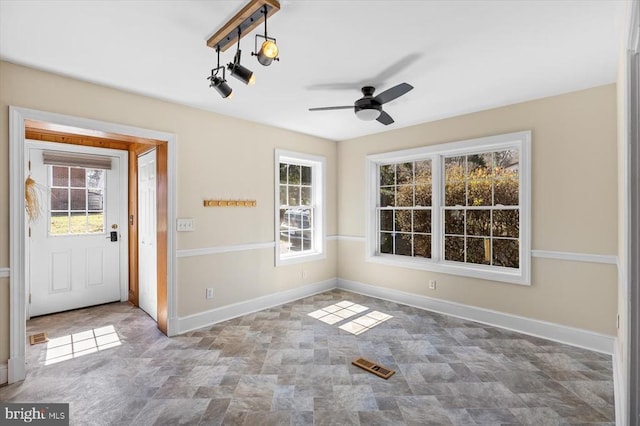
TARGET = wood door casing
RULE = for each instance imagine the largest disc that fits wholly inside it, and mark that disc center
(48, 132)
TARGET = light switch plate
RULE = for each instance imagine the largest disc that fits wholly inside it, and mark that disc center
(185, 224)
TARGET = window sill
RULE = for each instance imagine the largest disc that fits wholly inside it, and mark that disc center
(301, 258)
(485, 273)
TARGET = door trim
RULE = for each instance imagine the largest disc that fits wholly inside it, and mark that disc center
(17, 237)
(123, 212)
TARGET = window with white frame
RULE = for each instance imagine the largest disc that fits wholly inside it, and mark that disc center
(460, 208)
(299, 201)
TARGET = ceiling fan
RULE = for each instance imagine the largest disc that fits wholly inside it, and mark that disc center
(369, 107)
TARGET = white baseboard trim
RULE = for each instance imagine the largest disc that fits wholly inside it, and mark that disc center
(4, 373)
(556, 332)
(224, 249)
(17, 369)
(224, 313)
(5, 272)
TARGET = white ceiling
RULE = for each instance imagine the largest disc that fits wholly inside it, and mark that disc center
(461, 56)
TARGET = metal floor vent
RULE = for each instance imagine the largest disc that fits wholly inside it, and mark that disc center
(38, 338)
(372, 367)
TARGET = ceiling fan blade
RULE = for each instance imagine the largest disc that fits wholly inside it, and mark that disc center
(393, 93)
(330, 108)
(385, 118)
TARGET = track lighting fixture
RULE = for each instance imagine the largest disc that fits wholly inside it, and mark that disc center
(220, 83)
(269, 50)
(240, 72)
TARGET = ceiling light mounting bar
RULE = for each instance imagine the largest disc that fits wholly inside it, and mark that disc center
(245, 20)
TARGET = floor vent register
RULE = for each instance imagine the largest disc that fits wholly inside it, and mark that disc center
(374, 368)
(38, 338)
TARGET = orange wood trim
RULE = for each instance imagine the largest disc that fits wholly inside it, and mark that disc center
(133, 226)
(69, 131)
(162, 162)
(233, 23)
(75, 139)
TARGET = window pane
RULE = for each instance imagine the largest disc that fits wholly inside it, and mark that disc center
(283, 195)
(294, 174)
(506, 223)
(479, 250)
(423, 172)
(387, 175)
(404, 196)
(306, 195)
(454, 222)
(78, 223)
(95, 222)
(507, 160)
(387, 197)
(295, 242)
(404, 173)
(479, 192)
(59, 223)
(478, 222)
(423, 195)
(455, 193)
(59, 198)
(505, 253)
(403, 220)
(306, 240)
(386, 243)
(78, 199)
(284, 170)
(403, 244)
(506, 190)
(294, 195)
(95, 178)
(386, 220)
(454, 248)
(60, 176)
(454, 169)
(305, 219)
(95, 200)
(479, 166)
(306, 175)
(422, 245)
(78, 177)
(422, 221)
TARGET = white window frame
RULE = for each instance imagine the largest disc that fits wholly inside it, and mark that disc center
(318, 196)
(518, 140)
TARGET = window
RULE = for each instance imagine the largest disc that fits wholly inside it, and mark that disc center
(76, 200)
(460, 208)
(299, 204)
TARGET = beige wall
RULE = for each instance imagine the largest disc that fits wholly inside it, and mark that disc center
(208, 166)
(574, 208)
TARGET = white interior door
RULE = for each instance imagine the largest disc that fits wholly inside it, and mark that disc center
(73, 262)
(147, 236)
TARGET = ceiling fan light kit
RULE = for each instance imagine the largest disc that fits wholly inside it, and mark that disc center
(369, 108)
(242, 23)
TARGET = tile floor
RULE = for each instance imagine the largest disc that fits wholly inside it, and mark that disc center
(281, 366)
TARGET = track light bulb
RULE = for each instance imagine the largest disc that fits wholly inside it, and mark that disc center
(268, 52)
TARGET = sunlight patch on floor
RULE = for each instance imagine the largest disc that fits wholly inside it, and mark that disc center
(365, 322)
(337, 312)
(79, 344)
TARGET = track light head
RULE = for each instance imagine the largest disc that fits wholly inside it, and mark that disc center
(221, 87)
(268, 52)
(242, 73)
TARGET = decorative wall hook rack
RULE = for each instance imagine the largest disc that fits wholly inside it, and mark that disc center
(230, 203)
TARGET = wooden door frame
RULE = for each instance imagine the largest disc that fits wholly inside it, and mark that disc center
(40, 125)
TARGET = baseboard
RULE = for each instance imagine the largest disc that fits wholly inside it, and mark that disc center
(547, 330)
(214, 316)
(4, 373)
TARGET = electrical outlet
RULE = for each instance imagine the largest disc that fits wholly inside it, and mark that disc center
(185, 224)
(618, 321)
(432, 284)
(304, 274)
(209, 293)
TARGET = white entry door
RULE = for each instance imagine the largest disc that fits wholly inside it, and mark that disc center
(147, 236)
(74, 261)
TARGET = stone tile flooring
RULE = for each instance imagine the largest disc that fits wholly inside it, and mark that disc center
(280, 366)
